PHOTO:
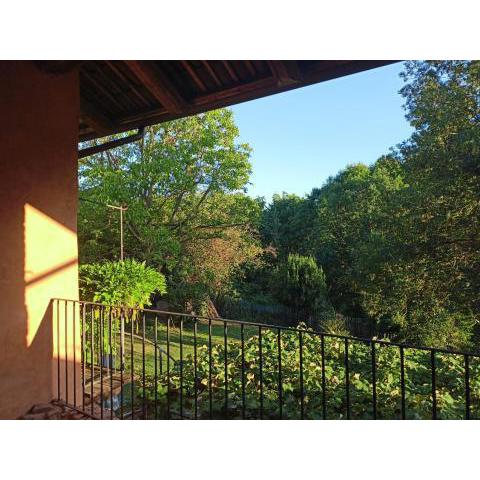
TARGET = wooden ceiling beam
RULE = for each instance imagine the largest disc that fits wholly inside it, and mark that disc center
(286, 72)
(212, 73)
(92, 78)
(95, 119)
(113, 65)
(157, 83)
(230, 70)
(237, 92)
(191, 71)
(250, 67)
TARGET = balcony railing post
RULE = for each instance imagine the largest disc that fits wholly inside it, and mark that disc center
(434, 385)
(110, 359)
(225, 358)
(260, 367)
(169, 414)
(374, 379)
(74, 333)
(467, 387)
(156, 365)
(101, 354)
(181, 368)
(242, 334)
(280, 387)
(195, 372)
(122, 340)
(66, 348)
(58, 348)
(302, 390)
(132, 365)
(92, 357)
(122, 359)
(347, 379)
(144, 387)
(84, 355)
(324, 381)
(210, 366)
(402, 381)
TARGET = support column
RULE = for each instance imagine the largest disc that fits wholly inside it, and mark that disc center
(39, 114)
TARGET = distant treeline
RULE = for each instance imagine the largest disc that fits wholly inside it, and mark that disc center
(399, 241)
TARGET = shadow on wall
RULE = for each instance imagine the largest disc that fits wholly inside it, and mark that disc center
(51, 267)
(38, 215)
(35, 338)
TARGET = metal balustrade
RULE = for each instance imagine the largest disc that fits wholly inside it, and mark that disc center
(128, 363)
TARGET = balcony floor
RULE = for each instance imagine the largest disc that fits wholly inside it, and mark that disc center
(54, 410)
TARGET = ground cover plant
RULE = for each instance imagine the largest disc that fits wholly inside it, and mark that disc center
(188, 377)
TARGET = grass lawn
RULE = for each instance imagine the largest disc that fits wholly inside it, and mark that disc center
(188, 342)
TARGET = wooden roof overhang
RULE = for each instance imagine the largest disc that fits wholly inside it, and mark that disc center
(117, 96)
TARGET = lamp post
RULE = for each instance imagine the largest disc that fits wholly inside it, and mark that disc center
(121, 209)
(122, 324)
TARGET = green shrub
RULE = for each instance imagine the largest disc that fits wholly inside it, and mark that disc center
(126, 283)
(300, 284)
(334, 324)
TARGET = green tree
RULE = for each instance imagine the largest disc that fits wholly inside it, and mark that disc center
(184, 187)
(345, 211)
(422, 263)
(300, 284)
(283, 224)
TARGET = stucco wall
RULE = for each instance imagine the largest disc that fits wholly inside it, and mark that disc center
(38, 216)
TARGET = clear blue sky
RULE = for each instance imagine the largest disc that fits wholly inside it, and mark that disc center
(301, 137)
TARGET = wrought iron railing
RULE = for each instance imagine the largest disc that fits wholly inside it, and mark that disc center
(147, 364)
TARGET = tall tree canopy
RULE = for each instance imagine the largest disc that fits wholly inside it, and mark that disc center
(282, 224)
(426, 276)
(399, 241)
(184, 187)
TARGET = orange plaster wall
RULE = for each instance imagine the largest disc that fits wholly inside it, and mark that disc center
(38, 221)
